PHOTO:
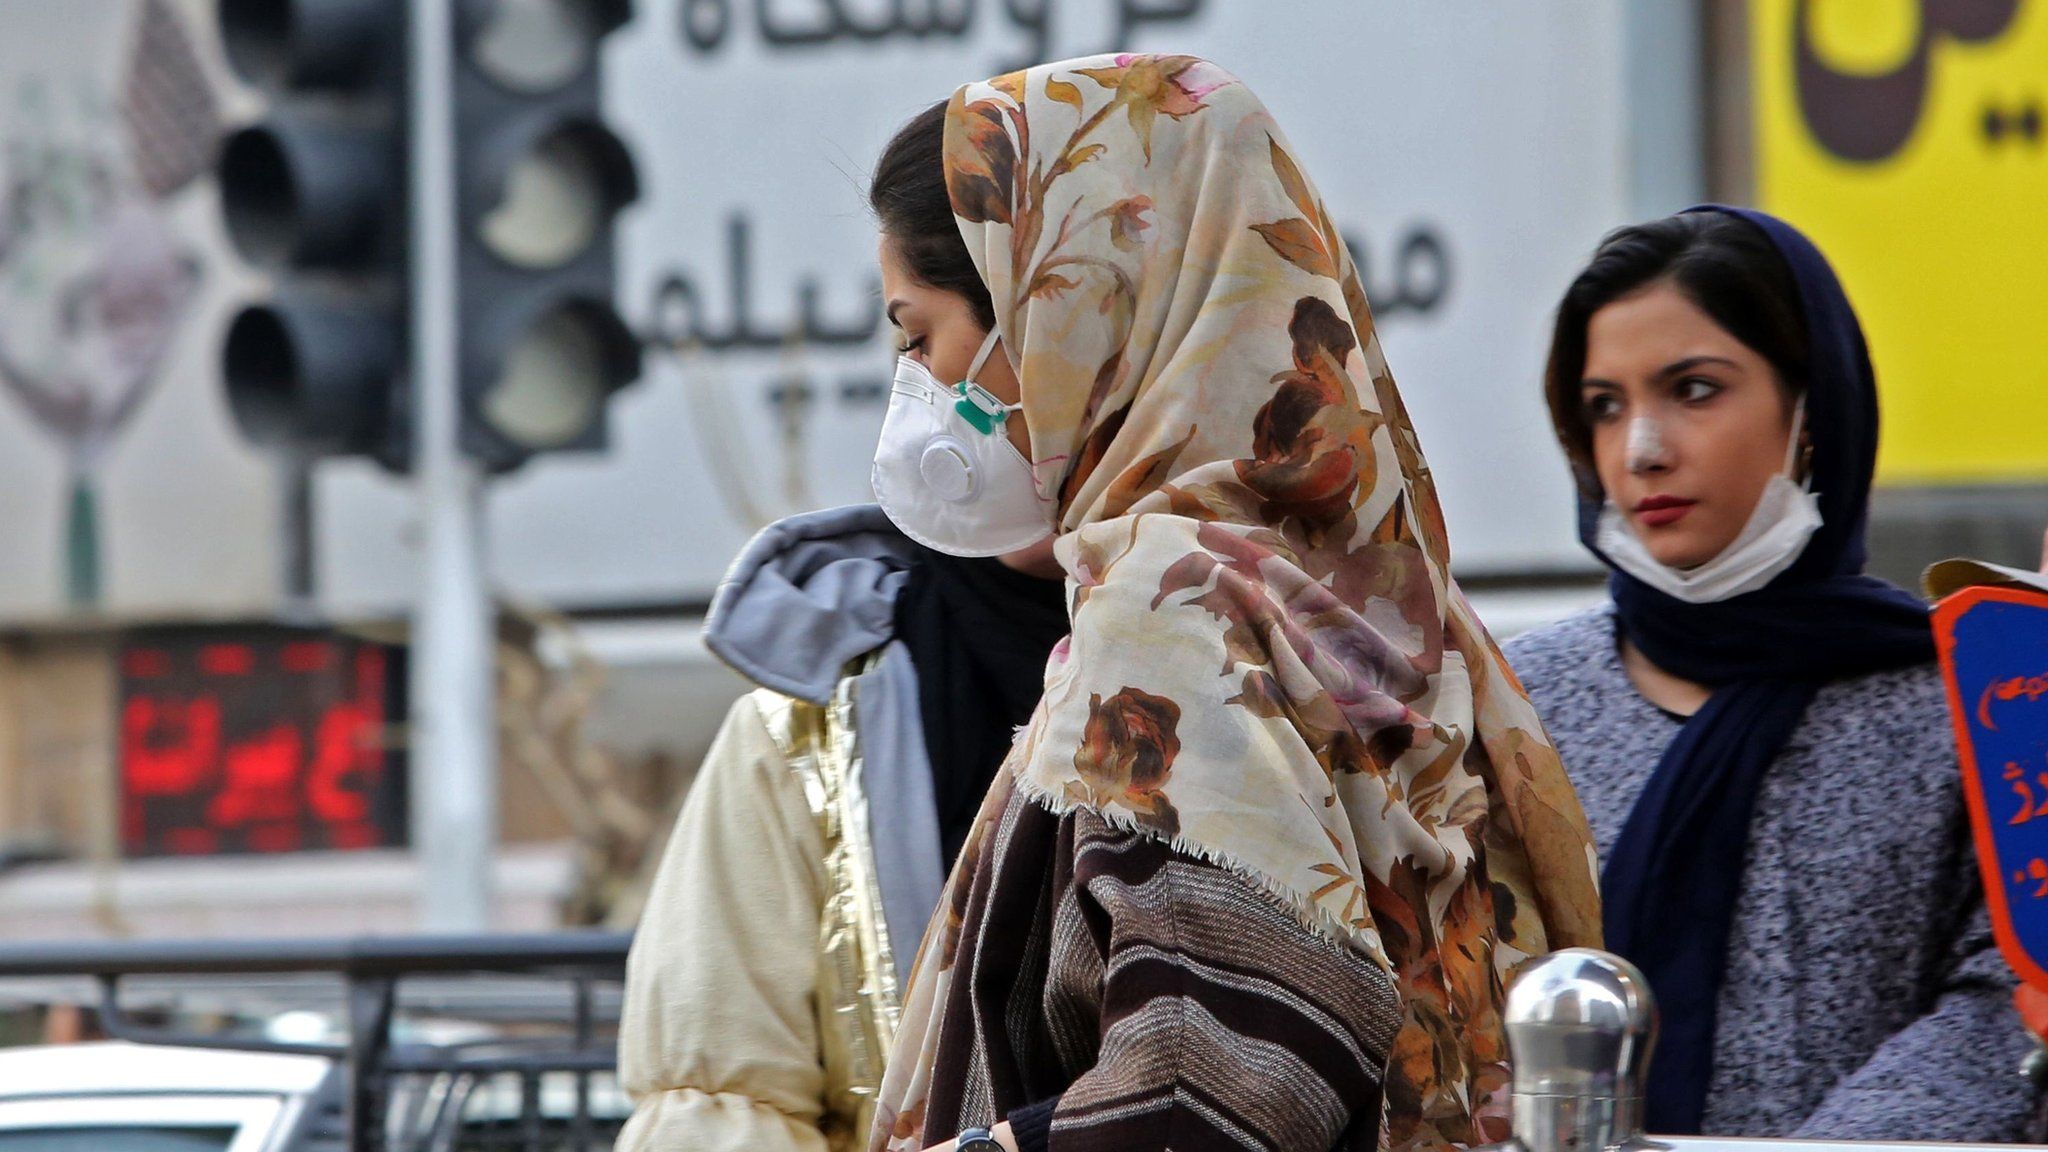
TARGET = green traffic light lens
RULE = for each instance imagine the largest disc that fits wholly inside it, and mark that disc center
(534, 46)
(555, 381)
(559, 196)
(553, 207)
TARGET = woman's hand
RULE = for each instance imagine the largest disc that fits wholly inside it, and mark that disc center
(1001, 1132)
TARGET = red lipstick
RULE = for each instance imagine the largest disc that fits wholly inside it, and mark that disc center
(1663, 511)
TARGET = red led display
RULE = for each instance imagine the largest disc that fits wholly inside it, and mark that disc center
(258, 740)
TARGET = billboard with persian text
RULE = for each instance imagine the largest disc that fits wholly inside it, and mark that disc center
(1471, 153)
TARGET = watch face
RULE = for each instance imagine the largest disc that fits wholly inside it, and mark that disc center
(977, 1140)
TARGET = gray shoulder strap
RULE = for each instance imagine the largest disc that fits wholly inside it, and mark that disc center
(902, 810)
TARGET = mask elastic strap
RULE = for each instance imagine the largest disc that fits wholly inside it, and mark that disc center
(987, 346)
(1792, 446)
(974, 370)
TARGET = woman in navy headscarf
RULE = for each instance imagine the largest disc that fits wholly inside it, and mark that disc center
(1756, 728)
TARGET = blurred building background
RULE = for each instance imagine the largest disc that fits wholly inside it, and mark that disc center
(203, 639)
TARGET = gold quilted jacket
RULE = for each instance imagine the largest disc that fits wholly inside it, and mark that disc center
(761, 996)
(857, 995)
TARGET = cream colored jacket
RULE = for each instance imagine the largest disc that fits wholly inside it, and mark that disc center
(761, 991)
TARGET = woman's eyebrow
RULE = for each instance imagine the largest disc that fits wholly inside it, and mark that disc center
(1692, 362)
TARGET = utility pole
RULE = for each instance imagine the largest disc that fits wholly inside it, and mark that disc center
(454, 693)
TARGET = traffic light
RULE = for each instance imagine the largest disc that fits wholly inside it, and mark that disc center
(540, 181)
(315, 195)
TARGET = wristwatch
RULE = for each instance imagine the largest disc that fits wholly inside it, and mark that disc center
(976, 1140)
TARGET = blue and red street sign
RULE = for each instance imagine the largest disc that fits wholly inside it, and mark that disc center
(1994, 652)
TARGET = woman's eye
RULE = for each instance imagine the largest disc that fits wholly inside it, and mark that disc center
(1602, 407)
(1694, 389)
(910, 347)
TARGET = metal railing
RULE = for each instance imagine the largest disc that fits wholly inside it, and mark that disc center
(1581, 1027)
(371, 970)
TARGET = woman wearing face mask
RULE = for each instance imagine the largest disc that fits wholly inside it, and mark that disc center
(1757, 729)
(1256, 870)
(764, 983)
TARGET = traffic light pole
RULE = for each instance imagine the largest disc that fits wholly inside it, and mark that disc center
(454, 697)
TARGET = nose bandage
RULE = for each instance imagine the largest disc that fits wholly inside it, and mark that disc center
(1645, 448)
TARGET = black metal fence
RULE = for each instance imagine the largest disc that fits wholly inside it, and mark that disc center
(536, 1072)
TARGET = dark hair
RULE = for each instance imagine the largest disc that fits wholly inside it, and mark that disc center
(1725, 265)
(908, 195)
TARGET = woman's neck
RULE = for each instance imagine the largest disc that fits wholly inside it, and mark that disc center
(1672, 694)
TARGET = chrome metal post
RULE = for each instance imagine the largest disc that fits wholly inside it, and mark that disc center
(1581, 1025)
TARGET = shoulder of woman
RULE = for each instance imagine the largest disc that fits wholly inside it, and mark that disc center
(1901, 702)
(1900, 716)
(1909, 693)
(757, 754)
(1892, 726)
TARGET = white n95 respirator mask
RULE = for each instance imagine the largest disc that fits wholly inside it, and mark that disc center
(946, 472)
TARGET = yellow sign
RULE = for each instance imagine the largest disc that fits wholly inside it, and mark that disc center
(1907, 137)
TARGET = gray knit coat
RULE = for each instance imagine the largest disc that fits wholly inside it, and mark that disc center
(1865, 998)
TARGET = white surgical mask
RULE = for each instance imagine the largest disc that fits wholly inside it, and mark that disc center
(1785, 518)
(946, 472)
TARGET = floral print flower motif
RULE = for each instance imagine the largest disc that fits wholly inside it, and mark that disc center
(1150, 87)
(1310, 440)
(1127, 752)
(981, 166)
(1307, 241)
(1127, 222)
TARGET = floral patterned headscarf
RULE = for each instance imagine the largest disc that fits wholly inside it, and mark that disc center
(1270, 666)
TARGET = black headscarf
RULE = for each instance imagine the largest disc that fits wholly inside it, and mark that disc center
(1671, 882)
(979, 634)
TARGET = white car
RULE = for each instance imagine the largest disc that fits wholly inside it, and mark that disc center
(121, 1097)
(117, 1097)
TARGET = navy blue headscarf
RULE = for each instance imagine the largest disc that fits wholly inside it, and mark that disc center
(1669, 887)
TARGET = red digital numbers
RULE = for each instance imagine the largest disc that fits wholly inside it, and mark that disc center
(259, 741)
(168, 747)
